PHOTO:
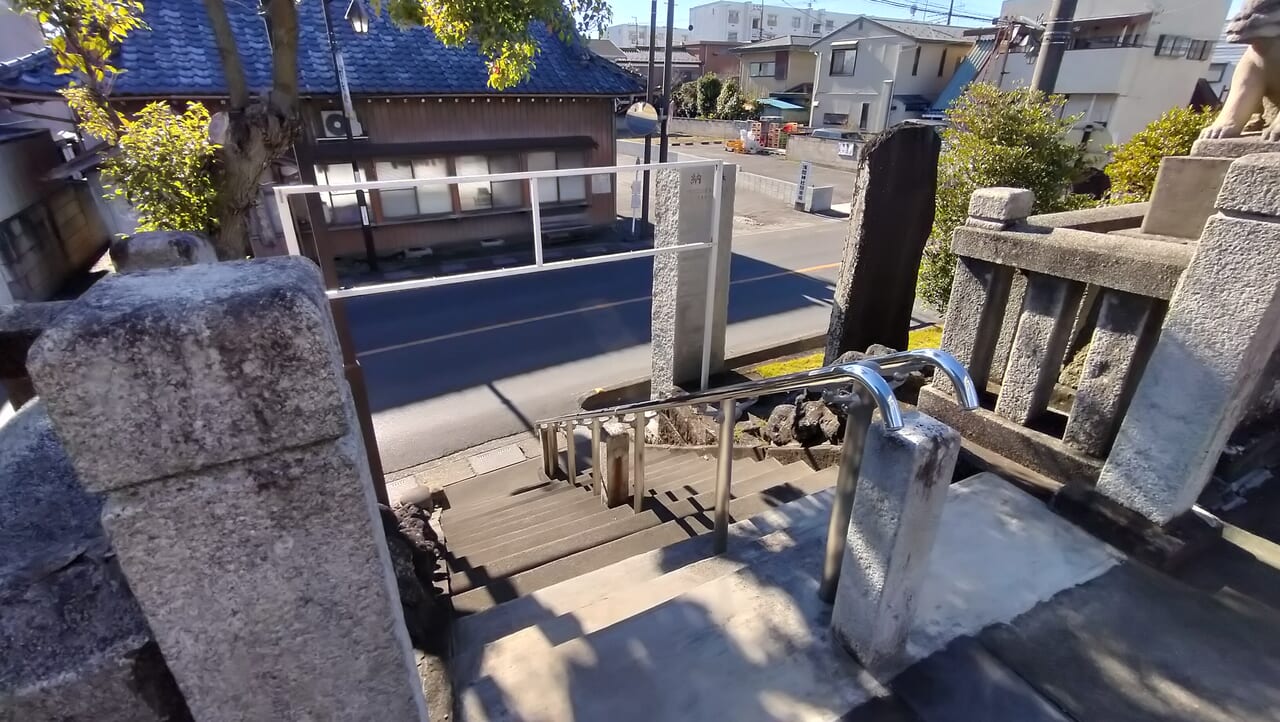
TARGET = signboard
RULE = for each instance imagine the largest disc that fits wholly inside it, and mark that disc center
(802, 185)
(847, 150)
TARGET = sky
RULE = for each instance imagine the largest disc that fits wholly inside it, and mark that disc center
(625, 10)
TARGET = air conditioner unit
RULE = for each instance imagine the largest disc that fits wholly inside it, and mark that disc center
(333, 124)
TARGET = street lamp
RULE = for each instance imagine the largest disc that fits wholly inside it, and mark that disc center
(358, 18)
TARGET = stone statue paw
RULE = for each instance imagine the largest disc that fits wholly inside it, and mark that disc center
(1223, 128)
(1272, 132)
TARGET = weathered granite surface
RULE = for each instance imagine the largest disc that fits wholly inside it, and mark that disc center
(161, 249)
(1001, 205)
(76, 645)
(1233, 147)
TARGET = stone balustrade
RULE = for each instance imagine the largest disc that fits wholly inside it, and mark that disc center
(1029, 293)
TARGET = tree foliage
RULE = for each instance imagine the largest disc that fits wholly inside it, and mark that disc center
(165, 168)
(709, 87)
(684, 100)
(1134, 164)
(1011, 138)
(731, 105)
(501, 28)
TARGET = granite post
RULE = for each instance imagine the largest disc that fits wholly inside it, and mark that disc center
(1035, 358)
(684, 213)
(902, 487)
(1222, 327)
(889, 224)
(208, 405)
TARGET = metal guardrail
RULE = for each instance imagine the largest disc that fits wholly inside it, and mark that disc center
(870, 384)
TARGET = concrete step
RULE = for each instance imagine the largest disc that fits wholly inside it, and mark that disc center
(744, 472)
(514, 521)
(481, 553)
(687, 517)
(497, 505)
(745, 646)
(531, 503)
(615, 603)
(690, 467)
(476, 630)
(498, 484)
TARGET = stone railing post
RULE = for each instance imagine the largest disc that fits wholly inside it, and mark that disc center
(902, 487)
(683, 211)
(1222, 326)
(207, 404)
(616, 457)
(980, 289)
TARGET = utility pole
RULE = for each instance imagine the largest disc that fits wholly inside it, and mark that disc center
(1057, 33)
(648, 97)
(666, 83)
(951, 9)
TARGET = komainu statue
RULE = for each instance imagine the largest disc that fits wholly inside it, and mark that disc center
(1256, 82)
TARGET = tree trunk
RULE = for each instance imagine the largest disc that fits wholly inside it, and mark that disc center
(258, 130)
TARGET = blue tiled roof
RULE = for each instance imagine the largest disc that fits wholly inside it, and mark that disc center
(178, 57)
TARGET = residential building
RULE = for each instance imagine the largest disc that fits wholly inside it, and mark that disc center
(747, 22)
(1129, 60)
(715, 56)
(873, 73)
(1226, 56)
(422, 110)
(636, 34)
(780, 69)
(684, 65)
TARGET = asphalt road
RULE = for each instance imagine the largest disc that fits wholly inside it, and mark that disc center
(451, 367)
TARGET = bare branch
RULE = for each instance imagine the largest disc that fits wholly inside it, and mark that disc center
(232, 68)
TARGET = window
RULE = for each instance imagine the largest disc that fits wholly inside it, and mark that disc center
(762, 70)
(772, 21)
(339, 208)
(567, 189)
(942, 64)
(1217, 72)
(835, 118)
(755, 23)
(865, 116)
(1200, 50)
(1173, 46)
(843, 61)
(915, 64)
(485, 195)
(420, 201)
(795, 22)
(733, 17)
(817, 28)
(831, 25)
(733, 37)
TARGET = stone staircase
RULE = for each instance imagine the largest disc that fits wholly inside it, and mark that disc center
(509, 534)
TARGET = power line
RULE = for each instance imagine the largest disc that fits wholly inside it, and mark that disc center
(916, 7)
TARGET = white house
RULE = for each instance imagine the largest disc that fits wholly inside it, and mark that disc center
(1129, 60)
(749, 22)
(873, 73)
(636, 34)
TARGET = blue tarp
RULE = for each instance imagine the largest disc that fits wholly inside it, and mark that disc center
(965, 74)
(779, 104)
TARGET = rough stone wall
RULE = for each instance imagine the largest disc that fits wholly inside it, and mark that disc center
(75, 643)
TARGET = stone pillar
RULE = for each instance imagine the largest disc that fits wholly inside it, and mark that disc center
(683, 213)
(1222, 326)
(617, 457)
(1008, 326)
(890, 221)
(1127, 326)
(207, 404)
(902, 487)
(975, 311)
(1035, 359)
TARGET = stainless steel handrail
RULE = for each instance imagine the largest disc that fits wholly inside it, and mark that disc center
(868, 376)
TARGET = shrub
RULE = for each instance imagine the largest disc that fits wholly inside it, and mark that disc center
(731, 105)
(707, 94)
(996, 137)
(1134, 164)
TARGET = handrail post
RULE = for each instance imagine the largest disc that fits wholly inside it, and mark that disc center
(535, 206)
(638, 490)
(547, 437)
(857, 425)
(571, 451)
(597, 470)
(724, 474)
